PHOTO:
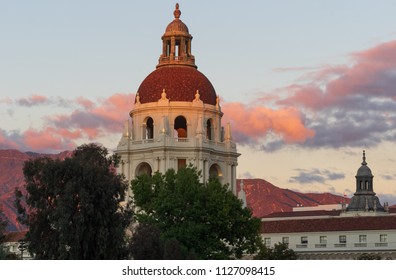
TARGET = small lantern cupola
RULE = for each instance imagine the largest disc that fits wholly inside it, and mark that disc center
(176, 43)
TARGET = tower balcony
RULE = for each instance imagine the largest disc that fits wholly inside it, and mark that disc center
(176, 60)
(173, 142)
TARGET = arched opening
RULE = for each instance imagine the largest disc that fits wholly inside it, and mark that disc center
(148, 132)
(177, 49)
(181, 127)
(215, 171)
(209, 129)
(143, 169)
(168, 48)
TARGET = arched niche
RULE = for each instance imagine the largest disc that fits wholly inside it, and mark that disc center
(143, 169)
(215, 171)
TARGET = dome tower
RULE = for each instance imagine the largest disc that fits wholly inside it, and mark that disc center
(364, 198)
(176, 118)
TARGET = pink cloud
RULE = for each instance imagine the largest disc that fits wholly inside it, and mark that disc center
(251, 123)
(33, 100)
(47, 139)
(371, 74)
(86, 103)
(105, 116)
(62, 131)
(6, 142)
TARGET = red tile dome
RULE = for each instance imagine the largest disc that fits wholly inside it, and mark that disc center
(180, 83)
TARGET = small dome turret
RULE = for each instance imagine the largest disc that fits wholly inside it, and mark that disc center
(364, 198)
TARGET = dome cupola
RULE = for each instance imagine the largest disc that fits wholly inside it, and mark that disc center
(176, 44)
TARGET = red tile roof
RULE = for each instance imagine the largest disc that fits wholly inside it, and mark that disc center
(303, 214)
(180, 83)
(330, 224)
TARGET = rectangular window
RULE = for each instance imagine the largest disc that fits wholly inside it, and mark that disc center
(304, 240)
(181, 163)
(267, 242)
(362, 238)
(342, 239)
(285, 240)
(383, 238)
(322, 239)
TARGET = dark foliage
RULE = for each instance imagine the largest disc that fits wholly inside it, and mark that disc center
(72, 207)
(146, 243)
(206, 220)
(3, 225)
(367, 256)
(280, 251)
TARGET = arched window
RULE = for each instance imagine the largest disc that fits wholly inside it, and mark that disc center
(215, 171)
(143, 168)
(181, 127)
(209, 129)
(148, 132)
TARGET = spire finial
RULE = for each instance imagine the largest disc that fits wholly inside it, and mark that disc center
(364, 158)
(177, 12)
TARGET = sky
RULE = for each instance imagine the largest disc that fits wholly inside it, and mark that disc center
(306, 85)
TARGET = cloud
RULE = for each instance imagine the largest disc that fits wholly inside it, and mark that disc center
(246, 175)
(250, 123)
(352, 105)
(6, 140)
(6, 100)
(388, 177)
(49, 139)
(90, 119)
(330, 106)
(390, 198)
(32, 100)
(96, 119)
(315, 176)
(372, 74)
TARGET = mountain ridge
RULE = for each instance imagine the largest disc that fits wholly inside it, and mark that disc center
(265, 198)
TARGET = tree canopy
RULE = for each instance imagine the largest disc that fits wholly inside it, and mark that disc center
(280, 251)
(3, 225)
(205, 220)
(72, 206)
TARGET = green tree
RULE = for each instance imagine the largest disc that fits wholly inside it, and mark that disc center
(280, 251)
(72, 207)
(3, 225)
(206, 219)
(367, 256)
(146, 243)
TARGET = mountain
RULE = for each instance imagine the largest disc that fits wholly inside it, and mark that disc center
(264, 198)
(261, 196)
(11, 177)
